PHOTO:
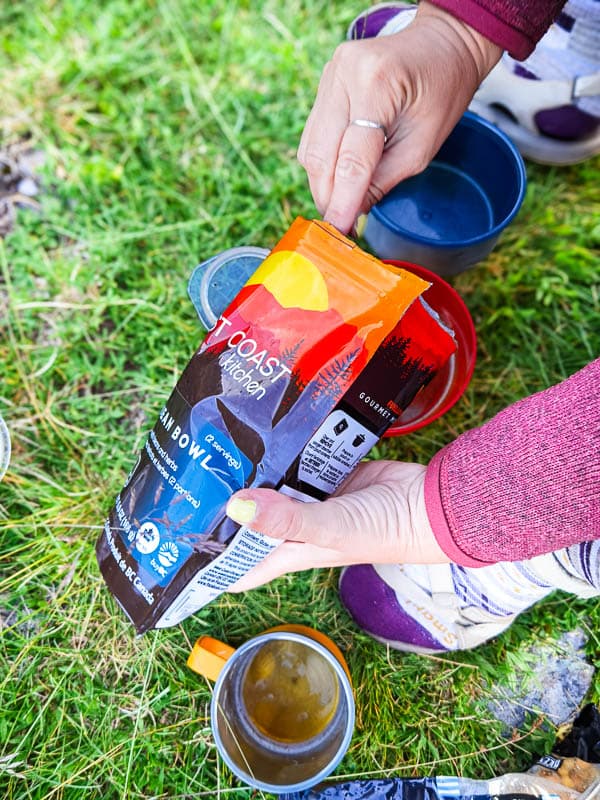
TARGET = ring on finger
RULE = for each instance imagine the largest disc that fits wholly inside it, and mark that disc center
(370, 123)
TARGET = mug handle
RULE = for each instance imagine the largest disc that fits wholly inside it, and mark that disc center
(208, 657)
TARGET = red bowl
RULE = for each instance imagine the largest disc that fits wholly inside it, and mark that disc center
(450, 383)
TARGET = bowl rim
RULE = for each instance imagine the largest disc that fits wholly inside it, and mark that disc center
(469, 119)
(470, 337)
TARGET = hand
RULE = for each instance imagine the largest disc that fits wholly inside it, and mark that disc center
(377, 516)
(417, 83)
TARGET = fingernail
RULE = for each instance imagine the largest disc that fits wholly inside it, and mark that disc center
(360, 225)
(242, 511)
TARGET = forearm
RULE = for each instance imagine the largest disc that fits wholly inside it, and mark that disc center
(525, 483)
(513, 25)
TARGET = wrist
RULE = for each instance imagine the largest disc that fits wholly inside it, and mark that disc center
(481, 52)
(425, 548)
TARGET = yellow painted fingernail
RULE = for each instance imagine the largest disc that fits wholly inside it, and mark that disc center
(360, 224)
(242, 511)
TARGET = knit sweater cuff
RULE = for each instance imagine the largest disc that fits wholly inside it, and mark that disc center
(526, 482)
(437, 515)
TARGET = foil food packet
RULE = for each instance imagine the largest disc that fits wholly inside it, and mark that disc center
(571, 771)
(283, 353)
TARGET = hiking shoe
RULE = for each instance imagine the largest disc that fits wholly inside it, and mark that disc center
(549, 104)
(381, 20)
(438, 608)
(415, 608)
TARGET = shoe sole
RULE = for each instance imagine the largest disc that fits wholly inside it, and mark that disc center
(407, 648)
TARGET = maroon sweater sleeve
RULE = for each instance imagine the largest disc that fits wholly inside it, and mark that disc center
(514, 25)
(525, 483)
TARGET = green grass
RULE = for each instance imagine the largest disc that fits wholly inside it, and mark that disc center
(170, 129)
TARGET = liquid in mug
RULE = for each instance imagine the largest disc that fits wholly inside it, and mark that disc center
(290, 692)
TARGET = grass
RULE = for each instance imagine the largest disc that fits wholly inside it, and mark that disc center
(169, 129)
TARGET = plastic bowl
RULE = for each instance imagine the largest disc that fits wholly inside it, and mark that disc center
(450, 216)
(450, 383)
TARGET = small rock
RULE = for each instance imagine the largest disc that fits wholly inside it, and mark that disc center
(28, 186)
(554, 680)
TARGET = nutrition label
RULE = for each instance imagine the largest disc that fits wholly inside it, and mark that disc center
(334, 450)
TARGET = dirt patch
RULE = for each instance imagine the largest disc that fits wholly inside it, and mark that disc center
(19, 184)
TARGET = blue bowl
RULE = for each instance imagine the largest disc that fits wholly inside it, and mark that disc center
(450, 216)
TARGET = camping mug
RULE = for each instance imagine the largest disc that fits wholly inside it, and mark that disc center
(282, 711)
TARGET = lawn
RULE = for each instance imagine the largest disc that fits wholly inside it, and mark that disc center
(168, 130)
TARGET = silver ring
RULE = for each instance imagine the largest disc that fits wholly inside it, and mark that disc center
(369, 123)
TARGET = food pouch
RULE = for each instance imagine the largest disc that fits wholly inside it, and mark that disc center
(560, 775)
(283, 353)
(404, 363)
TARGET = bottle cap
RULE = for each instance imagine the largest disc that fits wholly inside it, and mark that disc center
(4, 448)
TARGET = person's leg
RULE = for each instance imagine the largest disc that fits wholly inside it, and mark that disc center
(443, 607)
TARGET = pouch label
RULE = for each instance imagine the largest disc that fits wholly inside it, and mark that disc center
(183, 479)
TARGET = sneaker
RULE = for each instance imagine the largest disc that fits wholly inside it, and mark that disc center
(444, 607)
(381, 20)
(549, 104)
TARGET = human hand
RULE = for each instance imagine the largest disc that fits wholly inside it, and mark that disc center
(417, 83)
(377, 516)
